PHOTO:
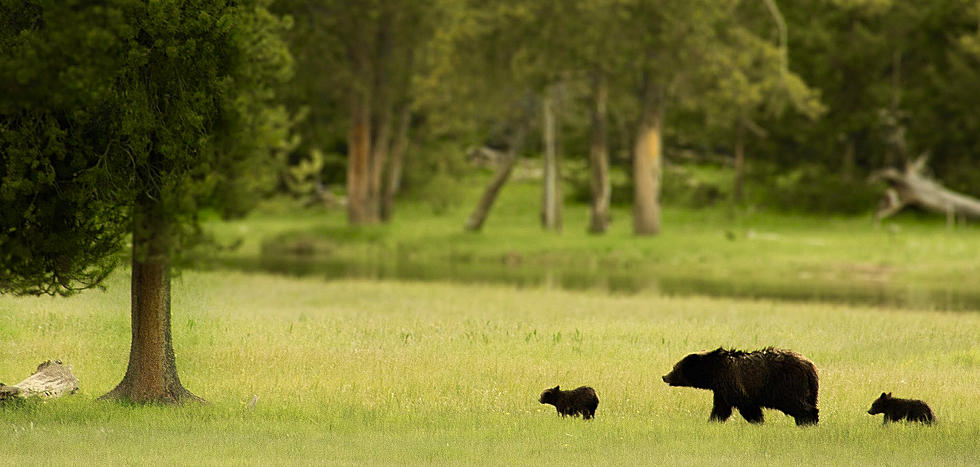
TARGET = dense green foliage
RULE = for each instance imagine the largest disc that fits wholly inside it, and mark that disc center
(858, 85)
(357, 372)
(107, 106)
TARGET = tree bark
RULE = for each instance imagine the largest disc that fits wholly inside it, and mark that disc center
(151, 376)
(551, 192)
(647, 166)
(599, 217)
(394, 174)
(377, 164)
(382, 114)
(359, 140)
(504, 169)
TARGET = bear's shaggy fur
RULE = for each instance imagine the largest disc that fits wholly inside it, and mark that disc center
(896, 409)
(748, 381)
(581, 400)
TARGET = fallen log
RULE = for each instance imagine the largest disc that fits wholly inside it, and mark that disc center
(51, 380)
(912, 188)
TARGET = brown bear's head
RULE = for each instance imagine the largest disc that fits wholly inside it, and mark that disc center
(878, 406)
(697, 370)
(549, 396)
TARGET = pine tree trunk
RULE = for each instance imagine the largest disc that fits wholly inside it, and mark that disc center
(647, 165)
(359, 162)
(551, 189)
(151, 376)
(599, 217)
(359, 141)
(378, 162)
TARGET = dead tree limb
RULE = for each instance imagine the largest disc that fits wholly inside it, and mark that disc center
(912, 187)
(51, 380)
(504, 168)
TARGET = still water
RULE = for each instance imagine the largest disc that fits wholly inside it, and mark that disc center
(616, 281)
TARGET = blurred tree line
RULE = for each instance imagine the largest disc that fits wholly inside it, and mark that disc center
(803, 98)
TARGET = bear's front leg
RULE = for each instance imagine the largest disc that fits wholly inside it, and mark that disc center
(752, 414)
(721, 409)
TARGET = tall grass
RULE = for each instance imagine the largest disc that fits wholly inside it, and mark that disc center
(409, 373)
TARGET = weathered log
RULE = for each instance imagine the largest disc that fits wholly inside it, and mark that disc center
(911, 187)
(51, 380)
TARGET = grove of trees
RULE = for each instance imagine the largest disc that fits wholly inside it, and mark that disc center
(823, 91)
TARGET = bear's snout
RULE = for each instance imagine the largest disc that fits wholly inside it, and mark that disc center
(870, 412)
(666, 378)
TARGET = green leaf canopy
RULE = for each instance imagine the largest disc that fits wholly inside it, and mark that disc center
(106, 103)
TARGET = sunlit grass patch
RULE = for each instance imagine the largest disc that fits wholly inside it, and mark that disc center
(357, 371)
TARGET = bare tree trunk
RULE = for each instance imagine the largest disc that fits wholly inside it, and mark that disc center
(358, 162)
(599, 217)
(737, 191)
(378, 162)
(504, 169)
(777, 16)
(359, 138)
(647, 166)
(151, 376)
(382, 114)
(551, 193)
(394, 173)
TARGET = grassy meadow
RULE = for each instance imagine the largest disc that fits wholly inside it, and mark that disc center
(447, 368)
(364, 372)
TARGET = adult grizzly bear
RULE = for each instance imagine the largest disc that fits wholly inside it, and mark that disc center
(748, 381)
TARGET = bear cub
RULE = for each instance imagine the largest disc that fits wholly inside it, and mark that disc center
(581, 400)
(749, 381)
(896, 409)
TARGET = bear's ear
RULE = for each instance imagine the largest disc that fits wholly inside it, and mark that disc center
(556, 388)
(889, 394)
(884, 396)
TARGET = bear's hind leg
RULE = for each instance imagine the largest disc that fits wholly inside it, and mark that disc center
(806, 415)
(810, 418)
(752, 414)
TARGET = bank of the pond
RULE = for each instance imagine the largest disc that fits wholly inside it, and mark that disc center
(907, 262)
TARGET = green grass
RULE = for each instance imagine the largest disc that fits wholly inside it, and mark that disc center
(432, 373)
(746, 252)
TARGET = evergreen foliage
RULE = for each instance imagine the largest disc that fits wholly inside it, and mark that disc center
(107, 103)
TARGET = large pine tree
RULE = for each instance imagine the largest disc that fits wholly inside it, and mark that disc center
(120, 120)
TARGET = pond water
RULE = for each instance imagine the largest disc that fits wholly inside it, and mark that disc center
(618, 281)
